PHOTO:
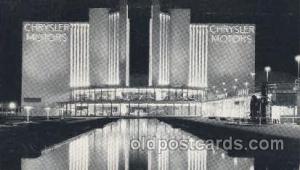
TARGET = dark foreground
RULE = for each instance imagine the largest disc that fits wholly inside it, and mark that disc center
(19, 139)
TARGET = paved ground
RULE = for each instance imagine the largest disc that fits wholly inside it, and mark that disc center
(281, 130)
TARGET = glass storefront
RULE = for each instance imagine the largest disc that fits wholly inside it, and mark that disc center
(134, 102)
(131, 109)
(138, 94)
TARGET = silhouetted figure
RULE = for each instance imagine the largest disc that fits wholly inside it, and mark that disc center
(254, 106)
(264, 103)
(263, 109)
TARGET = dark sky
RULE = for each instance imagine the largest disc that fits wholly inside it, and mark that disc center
(277, 29)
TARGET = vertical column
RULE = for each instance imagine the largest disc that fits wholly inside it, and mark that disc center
(127, 51)
(193, 55)
(71, 56)
(167, 55)
(114, 53)
(202, 56)
(115, 49)
(206, 53)
(197, 56)
(127, 48)
(88, 54)
(200, 49)
(77, 56)
(86, 58)
(109, 48)
(190, 57)
(83, 42)
(163, 49)
(118, 51)
(80, 55)
(84, 55)
(160, 50)
(74, 53)
(150, 52)
(112, 49)
(84, 77)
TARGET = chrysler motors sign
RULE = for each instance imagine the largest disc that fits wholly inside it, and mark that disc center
(52, 32)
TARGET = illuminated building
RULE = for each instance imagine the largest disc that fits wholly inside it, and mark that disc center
(82, 68)
(61, 56)
(184, 53)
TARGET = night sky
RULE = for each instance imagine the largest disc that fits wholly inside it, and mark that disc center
(277, 30)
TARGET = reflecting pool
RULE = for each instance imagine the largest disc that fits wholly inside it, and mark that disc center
(137, 144)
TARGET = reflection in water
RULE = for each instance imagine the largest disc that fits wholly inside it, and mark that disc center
(197, 159)
(79, 153)
(109, 148)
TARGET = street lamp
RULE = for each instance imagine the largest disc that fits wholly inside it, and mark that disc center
(12, 106)
(246, 84)
(225, 94)
(267, 70)
(234, 87)
(27, 109)
(297, 58)
(246, 89)
(47, 109)
(252, 74)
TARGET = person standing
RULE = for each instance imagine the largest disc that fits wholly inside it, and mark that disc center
(254, 105)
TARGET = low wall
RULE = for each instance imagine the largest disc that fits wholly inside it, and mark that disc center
(278, 111)
(237, 107)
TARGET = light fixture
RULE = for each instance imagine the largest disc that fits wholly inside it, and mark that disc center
(267, 70)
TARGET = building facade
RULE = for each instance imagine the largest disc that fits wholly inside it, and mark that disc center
(82, 68)
(59, 57)
(199, 55)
